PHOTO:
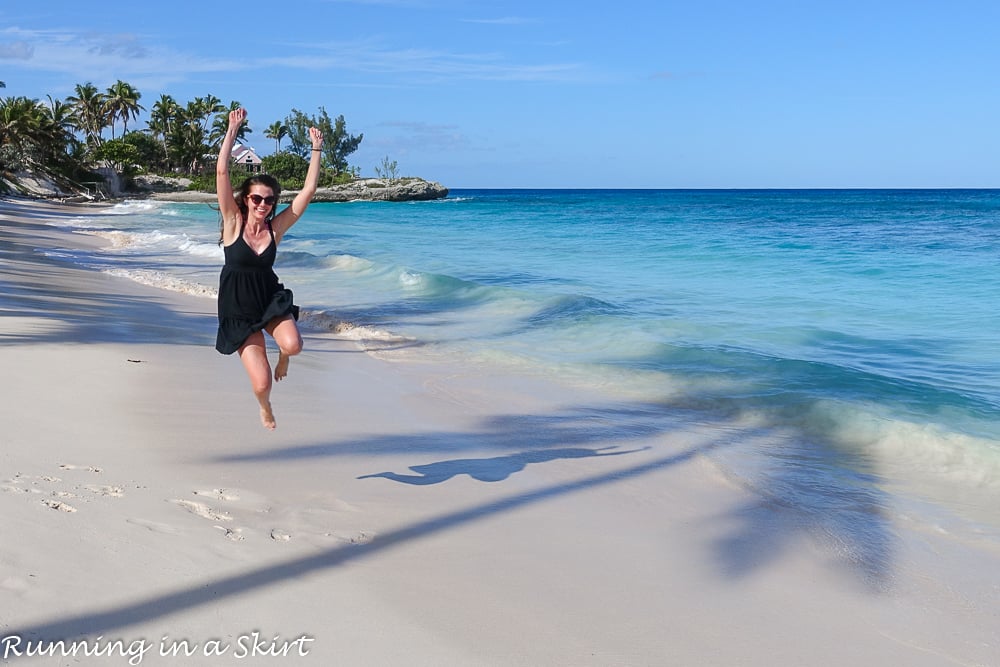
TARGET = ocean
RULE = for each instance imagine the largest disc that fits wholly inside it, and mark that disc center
(847, 340)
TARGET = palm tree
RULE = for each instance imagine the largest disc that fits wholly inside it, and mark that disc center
(122, 101)
(58, 144)
(162, 117)
(277, 131)
(89, 104)
(190, 140)
(187, 138)
(62, 121)
(21, 133)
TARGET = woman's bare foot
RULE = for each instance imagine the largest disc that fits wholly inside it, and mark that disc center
(281, 368)
(267, 417)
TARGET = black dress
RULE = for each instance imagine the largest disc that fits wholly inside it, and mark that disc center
(250, 295)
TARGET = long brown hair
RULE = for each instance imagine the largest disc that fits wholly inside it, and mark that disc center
(240, 195)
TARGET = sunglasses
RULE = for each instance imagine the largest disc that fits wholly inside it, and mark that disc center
(257, 199)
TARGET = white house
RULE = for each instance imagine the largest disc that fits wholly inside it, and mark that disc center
(245, 156)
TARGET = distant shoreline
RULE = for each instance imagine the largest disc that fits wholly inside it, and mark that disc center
(368, 189)
(175, 189)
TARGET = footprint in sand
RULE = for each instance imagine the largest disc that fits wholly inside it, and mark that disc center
(58, 505)
(234, 534)
(257, 504)
(206, 512)
(202, 510)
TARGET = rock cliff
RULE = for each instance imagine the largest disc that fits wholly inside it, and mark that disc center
(365, 189)
(378, 189)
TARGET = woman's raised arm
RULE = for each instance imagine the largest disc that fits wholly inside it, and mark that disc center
(223, 188)
(290, 215)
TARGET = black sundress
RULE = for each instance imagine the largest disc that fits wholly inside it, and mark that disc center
(250, 295)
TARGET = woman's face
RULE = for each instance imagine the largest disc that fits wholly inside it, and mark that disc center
(260, 201)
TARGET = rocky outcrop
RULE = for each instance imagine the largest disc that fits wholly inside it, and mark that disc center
(153, 183)
(364, 189)
(378, 189)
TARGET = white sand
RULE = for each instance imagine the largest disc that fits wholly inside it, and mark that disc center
(143, 503)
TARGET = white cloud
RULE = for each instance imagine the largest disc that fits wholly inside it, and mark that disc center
(123, 45)
(88, 56)
(369, 57)
(16, 51)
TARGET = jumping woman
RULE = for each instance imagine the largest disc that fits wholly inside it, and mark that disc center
(251, 300)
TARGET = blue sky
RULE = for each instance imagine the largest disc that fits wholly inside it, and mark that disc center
(648, 94)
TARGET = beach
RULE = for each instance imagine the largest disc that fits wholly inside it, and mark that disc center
(406, 513)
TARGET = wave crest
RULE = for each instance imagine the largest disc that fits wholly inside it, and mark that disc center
(161, 280)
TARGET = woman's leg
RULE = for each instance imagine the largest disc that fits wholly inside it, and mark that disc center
(286, 335)
(253, 354)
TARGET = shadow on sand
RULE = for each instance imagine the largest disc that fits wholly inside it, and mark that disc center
(759, 535)
(495, 469)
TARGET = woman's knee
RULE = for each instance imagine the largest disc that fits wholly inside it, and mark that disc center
(254, 357)
(286, 335)
(292, 345)
(260, 383)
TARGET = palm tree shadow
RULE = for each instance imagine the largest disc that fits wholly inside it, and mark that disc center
(101, 622)
(807, 486)
(494, 469)
(759, 537)
(802, 486)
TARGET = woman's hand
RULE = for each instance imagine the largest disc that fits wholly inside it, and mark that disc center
(236, 118)
(316, 137)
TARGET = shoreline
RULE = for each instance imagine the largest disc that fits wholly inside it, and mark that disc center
(408, 513)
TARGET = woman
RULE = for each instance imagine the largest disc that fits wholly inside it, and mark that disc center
(251, 300)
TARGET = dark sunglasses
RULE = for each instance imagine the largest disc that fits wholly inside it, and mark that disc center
(257, 199)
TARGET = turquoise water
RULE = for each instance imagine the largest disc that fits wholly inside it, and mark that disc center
(859, 329)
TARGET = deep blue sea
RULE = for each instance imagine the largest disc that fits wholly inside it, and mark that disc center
(859, 329)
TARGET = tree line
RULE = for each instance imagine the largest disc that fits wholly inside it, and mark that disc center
(67, 139)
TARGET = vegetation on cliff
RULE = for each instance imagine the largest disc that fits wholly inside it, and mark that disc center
(75, 143)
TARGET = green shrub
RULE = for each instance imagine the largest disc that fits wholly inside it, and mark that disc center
(286, 167)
